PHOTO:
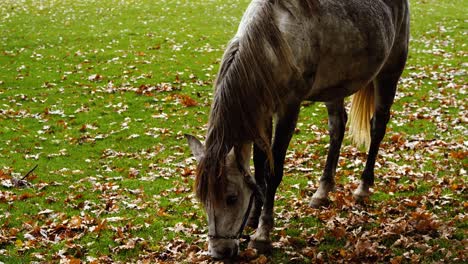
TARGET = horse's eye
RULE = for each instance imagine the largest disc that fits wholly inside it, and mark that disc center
(231, 199)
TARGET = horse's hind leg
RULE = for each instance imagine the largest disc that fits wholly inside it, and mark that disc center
(336, 125)
(385, 85)
(385, 88)
(283, 133)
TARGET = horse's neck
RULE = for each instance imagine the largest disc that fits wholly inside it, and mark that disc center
(250, 14)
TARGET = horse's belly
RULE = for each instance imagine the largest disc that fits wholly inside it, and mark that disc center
(340, 76)
(335, 92)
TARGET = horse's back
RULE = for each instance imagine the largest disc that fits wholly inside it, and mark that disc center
(342, 45)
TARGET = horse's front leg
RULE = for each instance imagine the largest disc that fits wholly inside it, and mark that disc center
(261, 170)
(336, 125)
(283, 133)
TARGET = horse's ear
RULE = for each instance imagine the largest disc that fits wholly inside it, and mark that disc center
(198, 150)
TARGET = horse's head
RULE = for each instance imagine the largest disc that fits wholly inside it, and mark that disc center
(228, 208)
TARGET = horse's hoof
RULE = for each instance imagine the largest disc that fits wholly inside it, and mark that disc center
(361, 194)
(317, 203)
(359, 198)
(262, 246)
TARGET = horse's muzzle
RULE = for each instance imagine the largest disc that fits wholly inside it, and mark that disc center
(223, 248)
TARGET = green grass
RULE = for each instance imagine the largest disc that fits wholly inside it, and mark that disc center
(71, 76)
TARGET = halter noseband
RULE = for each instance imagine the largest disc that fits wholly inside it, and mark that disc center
(256, 193)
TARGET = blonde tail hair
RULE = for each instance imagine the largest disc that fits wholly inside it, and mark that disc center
(362, 108)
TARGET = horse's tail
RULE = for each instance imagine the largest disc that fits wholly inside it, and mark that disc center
(362, 108)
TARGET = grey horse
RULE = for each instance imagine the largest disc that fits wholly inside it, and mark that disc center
(286, 52)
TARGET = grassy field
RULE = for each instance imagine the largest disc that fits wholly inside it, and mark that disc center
(98, 95)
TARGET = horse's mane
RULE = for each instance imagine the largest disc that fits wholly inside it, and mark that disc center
(247, 93)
